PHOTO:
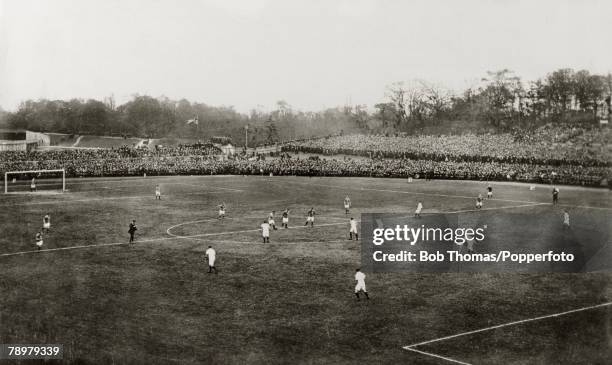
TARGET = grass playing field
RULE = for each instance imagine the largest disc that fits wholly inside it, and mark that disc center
(291, 301)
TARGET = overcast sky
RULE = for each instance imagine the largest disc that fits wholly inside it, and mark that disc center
(313, 54)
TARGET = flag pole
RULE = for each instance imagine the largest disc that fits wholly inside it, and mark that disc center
(246, 137)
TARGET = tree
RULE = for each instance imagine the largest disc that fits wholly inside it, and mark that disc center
(386, 112)
(271, 131)
(435, 99)
(360, 116)
(589, 91)
(502, 90)
(536, 104)
(95, 115)
(3, 117)
(559, 88)
(143, 116)
(396, 95)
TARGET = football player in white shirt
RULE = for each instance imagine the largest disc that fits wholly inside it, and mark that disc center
(221, 211)
(347, 204)
(271, 220)
(353, 230)
(360, 278)
(211, 256)
(265, 231)
(157, 192)
(417, 212)
(479, 201)
(566, 217)
(46, 223)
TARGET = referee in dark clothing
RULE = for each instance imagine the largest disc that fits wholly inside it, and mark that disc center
(132, 230)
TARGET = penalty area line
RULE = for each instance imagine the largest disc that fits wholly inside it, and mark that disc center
(438, 356)
(553, 315)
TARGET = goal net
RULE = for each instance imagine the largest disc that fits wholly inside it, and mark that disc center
(35, 181)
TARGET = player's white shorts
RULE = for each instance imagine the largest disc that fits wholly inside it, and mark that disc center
(46, 225)
(310, 219)
(489, 194)
(157, 193)
(418, 211)
(285, 220)
(271, 222)
(353, 230)
(265, 234)
(479, 204)
(221, 212)
(360, 286)
(39, 243)
(211, 261)
(346, 206)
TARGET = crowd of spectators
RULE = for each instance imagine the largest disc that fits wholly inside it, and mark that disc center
(80, 163)
(547, 146)
(552, 154)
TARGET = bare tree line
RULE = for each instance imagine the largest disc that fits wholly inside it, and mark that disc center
(501, 101)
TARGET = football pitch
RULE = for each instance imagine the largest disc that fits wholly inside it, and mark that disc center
(291, 301)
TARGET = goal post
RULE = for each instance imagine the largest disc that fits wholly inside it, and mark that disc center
(35, 180)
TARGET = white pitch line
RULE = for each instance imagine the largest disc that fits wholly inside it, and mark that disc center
(471, 210)
(449, 195)
(320, 225)
(303, 227)
(494, 208)
(107, 198)
(411, 347)
(205, 186)
(583, 206)
(439, 356)
(61, 249)
(273, 242)
(412, 192)
(173, 237)
(249, 230)
(83, 200)
(190, 222)
(201, 235)
(202, 221)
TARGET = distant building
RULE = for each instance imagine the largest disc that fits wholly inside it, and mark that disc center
(22, 140)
